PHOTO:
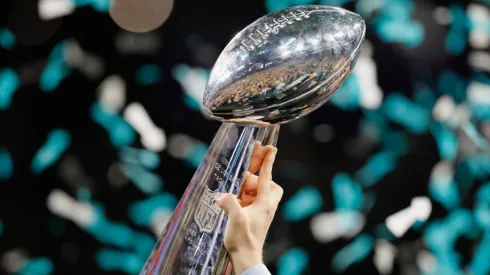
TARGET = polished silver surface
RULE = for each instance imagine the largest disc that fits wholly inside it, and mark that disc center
(284, 65)
(192, 241)
(281, 67)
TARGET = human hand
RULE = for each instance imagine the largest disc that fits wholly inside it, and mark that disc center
(251, 213)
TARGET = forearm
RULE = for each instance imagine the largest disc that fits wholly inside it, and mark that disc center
(244, 260)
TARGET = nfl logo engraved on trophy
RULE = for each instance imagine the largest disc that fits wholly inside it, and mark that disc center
(207, 212)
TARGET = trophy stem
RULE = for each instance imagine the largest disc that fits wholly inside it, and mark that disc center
(192, 241)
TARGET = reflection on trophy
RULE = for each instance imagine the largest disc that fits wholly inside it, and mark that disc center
(279, 68)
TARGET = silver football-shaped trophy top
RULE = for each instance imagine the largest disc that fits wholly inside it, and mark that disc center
(284, 65)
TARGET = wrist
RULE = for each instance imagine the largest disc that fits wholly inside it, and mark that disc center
(243, 260)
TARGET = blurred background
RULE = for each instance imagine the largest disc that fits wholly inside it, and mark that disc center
(101, 131)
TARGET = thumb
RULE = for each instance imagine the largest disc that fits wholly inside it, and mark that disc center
(229, 203)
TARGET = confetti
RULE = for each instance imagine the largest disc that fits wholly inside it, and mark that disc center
(293, 261)
(399, 112)
(305, 202)
(57, 141)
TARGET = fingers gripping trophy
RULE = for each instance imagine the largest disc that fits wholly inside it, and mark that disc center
(279, 68)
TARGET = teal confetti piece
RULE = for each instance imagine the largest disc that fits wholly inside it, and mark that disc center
(348, 96)
(143, 244)
(83, 194)
(111, 233)
(376, 168)
(382, 232)
(445, 191)
(146, 158)
(401, 110)
(367, 7)
(146, 181)
(471, 168)
(275, 5)
(483, 193)
(303, 2)
(479, 264)
(353, 253)
(459, 19)
(7, 39)
(6, 164)
(336, 3)
(37, 266)
(180, 71)
(438, 238)
(120, 132)
(81, 3)
(191, 102)
(461, 222)
(120, 235)
(481, 76)
(140, 212)
(487, 2)
(57, 53)
(102, 114)
(9, 84)
(196, 154)
(397, 10)
(101, 5)
(57, 143)
(51, 77)
(481, 111)
(293, 262)
(418, 225)
(456, 42)
(452, 84)
(482, 206)
(446, 140)
(114, 260)
(415, 34)
(425, 97)
(149, 159)
(410, 33)
(347, 193)
(448, 263)
(149, 74)
(303, 204)
(56, 69)
(482, 215)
